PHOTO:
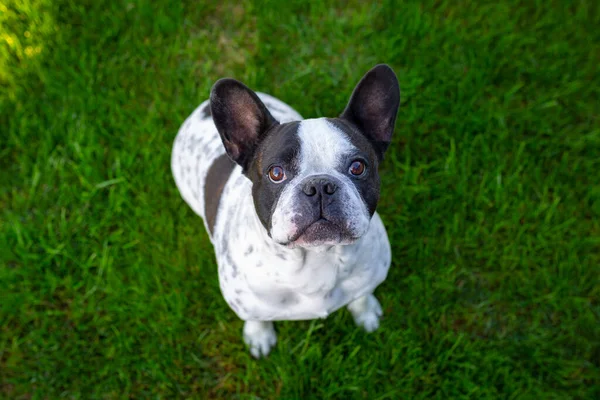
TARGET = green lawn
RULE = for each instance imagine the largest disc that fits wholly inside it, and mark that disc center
(491, 197)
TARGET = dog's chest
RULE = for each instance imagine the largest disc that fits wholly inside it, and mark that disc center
(288, 286)
(263, 281)
(309, 274)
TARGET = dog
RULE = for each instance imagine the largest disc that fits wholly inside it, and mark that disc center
(289, 203)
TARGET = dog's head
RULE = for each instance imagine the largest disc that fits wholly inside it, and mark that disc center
(314, 182)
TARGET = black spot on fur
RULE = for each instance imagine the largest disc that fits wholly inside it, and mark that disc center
(289, 299)
(205, 114)
(216, 178)
(249, 251)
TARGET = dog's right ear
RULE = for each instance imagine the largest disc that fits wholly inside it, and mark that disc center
(240, 117)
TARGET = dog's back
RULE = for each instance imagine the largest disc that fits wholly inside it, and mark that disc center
(199, 163)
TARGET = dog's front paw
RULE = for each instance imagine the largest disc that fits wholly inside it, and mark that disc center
(260, 337)
(366, 312)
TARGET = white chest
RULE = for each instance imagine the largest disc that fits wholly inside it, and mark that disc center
(263, 281)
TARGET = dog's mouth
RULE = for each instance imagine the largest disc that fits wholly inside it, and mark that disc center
(322, 232)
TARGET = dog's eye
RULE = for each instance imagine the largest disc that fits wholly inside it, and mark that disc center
(357, 168)
(276, 174)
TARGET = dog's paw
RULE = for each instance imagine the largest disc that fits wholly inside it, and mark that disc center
(366, 312)
(260, 337)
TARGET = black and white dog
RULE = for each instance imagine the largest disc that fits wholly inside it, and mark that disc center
(289, 203)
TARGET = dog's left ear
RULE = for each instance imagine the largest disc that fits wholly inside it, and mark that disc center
(241, 119)
(373, 106)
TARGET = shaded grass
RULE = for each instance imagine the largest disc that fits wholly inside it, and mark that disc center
(490, 196)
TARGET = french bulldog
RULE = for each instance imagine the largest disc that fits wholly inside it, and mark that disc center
(289, 203)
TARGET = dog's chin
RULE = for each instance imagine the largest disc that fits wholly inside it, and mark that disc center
(322, 234)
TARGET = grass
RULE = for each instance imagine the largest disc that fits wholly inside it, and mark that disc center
(491, 197)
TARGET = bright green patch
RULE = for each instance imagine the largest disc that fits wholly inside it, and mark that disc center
(491, 198)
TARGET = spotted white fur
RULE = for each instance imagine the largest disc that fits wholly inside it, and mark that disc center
(261, 280)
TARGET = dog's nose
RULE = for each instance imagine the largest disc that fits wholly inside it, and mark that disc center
(319, 185)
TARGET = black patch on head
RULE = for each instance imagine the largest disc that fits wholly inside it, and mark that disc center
(216, 178)
(280, 147)
(368, 185)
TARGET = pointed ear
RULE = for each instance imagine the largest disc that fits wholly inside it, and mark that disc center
(373, 106)
(240, 117)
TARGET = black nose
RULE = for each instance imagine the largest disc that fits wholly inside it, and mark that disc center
(319, 185)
